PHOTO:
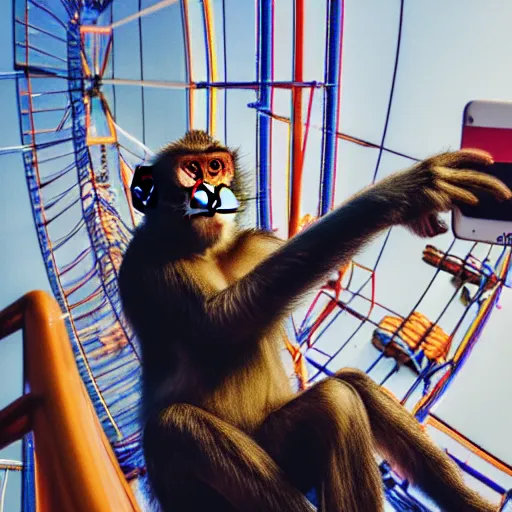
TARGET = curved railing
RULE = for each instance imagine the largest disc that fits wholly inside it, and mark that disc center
(75, 467)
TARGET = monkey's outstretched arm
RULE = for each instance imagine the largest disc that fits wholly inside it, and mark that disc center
(270, 291)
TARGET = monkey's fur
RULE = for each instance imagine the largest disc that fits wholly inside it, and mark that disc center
(224, 431)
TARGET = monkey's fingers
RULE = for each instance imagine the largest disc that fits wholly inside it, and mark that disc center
(437, 226)
(457, 193)
(428, 226)
(476, 180)
(464, 158)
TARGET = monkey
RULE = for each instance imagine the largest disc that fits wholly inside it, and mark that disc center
(223, 428)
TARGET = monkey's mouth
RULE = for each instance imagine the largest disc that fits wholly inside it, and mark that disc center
(208, 200)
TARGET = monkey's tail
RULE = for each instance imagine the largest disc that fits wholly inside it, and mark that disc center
(410, 450)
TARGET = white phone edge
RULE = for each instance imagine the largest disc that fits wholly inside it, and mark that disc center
(490, 114)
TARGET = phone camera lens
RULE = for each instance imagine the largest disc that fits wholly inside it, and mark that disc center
(470, 120)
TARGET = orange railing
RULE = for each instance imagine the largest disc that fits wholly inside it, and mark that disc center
(75, 467)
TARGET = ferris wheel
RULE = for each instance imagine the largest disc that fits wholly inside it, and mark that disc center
(102, 84)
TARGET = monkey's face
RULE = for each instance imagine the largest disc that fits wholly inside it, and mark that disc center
(191, 186)
(215, 168)
(177, 179)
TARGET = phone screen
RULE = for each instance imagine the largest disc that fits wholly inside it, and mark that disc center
(490, 130)
(488, 208)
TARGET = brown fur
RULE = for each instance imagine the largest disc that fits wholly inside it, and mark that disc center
(224, 430)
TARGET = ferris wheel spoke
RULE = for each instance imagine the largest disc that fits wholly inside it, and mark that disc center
(144, 12)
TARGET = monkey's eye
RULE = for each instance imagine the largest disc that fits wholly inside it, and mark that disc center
(215, 165)
(194, 168)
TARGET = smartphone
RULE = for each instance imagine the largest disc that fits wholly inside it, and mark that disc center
(487, 125)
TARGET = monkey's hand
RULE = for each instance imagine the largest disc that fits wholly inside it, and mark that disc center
(439, 183)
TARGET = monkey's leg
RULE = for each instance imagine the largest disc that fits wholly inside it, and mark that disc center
(322, 439)
(401, 440)
(186, 446)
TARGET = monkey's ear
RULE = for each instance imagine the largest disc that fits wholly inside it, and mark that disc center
(142, 187)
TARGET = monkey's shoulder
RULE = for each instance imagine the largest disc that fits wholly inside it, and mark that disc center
(250, 248)
(259, 240)
(150, 246)
(149, 268)
(213, 273)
